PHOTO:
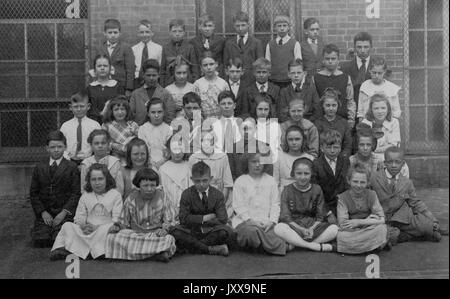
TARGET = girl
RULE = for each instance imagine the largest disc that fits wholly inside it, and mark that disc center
(378, 84)
(329, 120)
(210, 86)
(365, 156)
(360, 216)
(294, 147)
(175, 173)
(302, 218)
(181, 86)
(155, 132)
(102, 89)
(296, 110)
(118, 123)
(256, 205)
(99, 141)
(143, 226)
(97, 211)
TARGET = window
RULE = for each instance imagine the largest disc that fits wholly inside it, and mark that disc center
(43, 61)
(426, 76)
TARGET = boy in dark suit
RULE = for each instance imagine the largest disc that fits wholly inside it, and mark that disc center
(120, 55)
(330, 171)
(54, 192)
(244, 46)
(203, 216)
(312, 47)
(234, 71)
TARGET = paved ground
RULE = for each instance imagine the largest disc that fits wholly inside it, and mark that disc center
(409, 260)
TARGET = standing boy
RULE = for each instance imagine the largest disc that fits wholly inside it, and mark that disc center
(234, 71)
(281, 50)
(54, 192)
(312, 47)
(120, 55)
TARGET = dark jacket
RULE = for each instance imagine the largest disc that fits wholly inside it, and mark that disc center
(341, 125)
(308, 94)
(311, 61)
(240, 95)
(351, 69)
(216, 46)
(248, 99)
(169, 55)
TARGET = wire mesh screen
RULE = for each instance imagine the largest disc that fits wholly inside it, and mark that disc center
(43, 62)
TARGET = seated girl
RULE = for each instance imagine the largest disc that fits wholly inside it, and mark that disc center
(302, 217)
(142, 229)
(97, 211)
(360, 216)
(256, 205)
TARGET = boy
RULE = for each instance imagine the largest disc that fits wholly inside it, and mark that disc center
(406, 214)
(300, 88)
(151, 89)
(331, 76)
(178, 48)
(330, 171)
(144, 50)
(54, 192)
(281, 50)
(244, 46)
(312, 47)
(261, 71)
(120, 55)
(203, 216)
(78, 128)
(234, 71)
(208, 41)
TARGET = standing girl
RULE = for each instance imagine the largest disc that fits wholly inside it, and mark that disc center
(102, 89)
(302, 218)
(118, 123)
(210, 86)
(98, 209)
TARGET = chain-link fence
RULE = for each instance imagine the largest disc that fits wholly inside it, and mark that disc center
(43, 61)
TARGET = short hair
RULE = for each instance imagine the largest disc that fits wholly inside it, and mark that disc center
(138, 143)
(376, 98)
(303, 161)
(226, 94)
(98, 132)
(145, 23)
(192, 97)
(241, 17)
(246, 157)
(330, 137)
(296, 101)
(262, 63)
(177, 23)
(200, 169)
(358, 168)
(112, 24)
(102, 56)
(330, 93)
(281, 19)
(151, 64)
(205, 18)
(309, 22)
(260, 98)
(110, 182)
(145, 174)
(56, 136)
(294, 128)
(236, 61)
(330, 48)
(79, 97)
(120, 100)
(156, 101)
(179, 62)
(294, 63)
(362, 36)
(394, 150)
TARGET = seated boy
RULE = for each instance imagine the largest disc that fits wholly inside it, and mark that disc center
(54, 192)
(330, 171)
(406, 214)
(78, 128)
(203, 217)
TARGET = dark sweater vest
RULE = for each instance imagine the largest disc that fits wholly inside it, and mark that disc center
(280, 57)
(338, 82)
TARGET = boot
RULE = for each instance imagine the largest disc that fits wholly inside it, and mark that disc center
(218, 250)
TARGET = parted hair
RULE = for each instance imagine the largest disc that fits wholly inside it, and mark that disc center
(294, 128)
(135, 142)
(112, 24)
(358, 168)
(330, 137)
(376, 98)
(304, 161)
(56, 136)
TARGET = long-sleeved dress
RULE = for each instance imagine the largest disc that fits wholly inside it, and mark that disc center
(139, 221)
(361, 239)
(156, 138)
(114, 167)
(258, 200)
(100, 210)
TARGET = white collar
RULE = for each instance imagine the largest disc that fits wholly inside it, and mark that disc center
(148, 43)
(237, 83)
(245, 37)
(200, 193)
(58, 162)
(111, 45)
(329, 160)
(311, 41)
(110, 83)
(266, 85)
(359, 61)
(284, 39)
(390, 176)
(82, 120)
(301, 83)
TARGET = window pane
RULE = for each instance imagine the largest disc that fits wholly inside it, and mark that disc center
(434, 13)
(231, 8)
(42, 87)
(14, 129)
(71, 78)
(436, 124)
(42, 122)
(71, 43)
(435, 86)
(41, 41)
(12, 80)
(435, 49)
(416, 14)
(417, 124)
(416, 49)
(416, 86)
(263, 15)
(12, 46)
(41, 68)
(215, 9)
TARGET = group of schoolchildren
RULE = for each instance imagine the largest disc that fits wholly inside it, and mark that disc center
(319, 165)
